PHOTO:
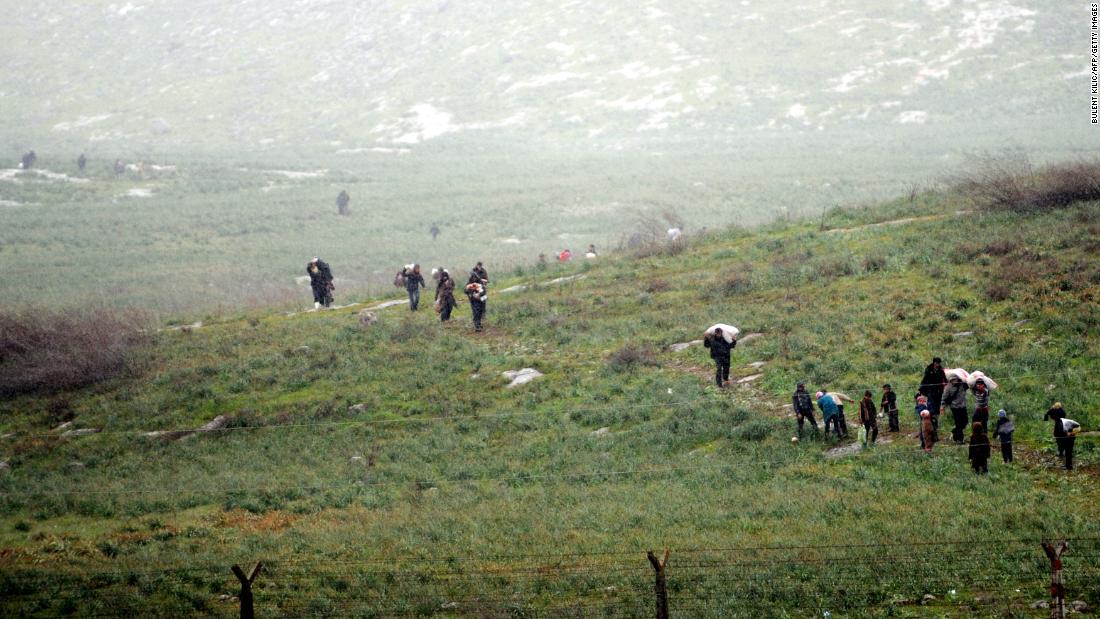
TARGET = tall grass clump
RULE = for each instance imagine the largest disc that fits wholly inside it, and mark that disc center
(1010, 182)
(55, 351)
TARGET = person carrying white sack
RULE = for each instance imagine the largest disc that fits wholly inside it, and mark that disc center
(721, 340)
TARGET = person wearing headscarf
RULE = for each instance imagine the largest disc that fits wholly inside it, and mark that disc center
(445, 295)
(320, 280)
(1004, 431)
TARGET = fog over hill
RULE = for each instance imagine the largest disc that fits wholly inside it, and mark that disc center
(387, 76)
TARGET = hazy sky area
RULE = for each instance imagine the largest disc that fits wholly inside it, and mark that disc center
(563, 117)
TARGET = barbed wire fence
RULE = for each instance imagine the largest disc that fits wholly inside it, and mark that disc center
(963, 576)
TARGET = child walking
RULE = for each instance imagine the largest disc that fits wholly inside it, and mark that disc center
(868, 417)
(1004, 431)
(979, 449)
(889, 405)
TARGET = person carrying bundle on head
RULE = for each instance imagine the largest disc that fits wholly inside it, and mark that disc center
(477, 295)
(320, 280)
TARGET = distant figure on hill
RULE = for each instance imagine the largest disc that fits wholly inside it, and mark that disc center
(476, 293)
(565, 255)
(320, 280)
(414, 281)
(81, 162)
(445, 295)
(955, 399)
(868, 416)
(979, 449)
(29, 159)
(434, 231)
(120, 167)
(803, 408)
(342, 201)
(1004, 431)
(591, 253)
(931, 386)
(720, 350)
(889, 405)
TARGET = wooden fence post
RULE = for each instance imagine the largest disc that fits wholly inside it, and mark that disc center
(1057, 584)
(247, 611)
(660, 587)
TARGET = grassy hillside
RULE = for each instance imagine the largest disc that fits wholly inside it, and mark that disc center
(390, 471)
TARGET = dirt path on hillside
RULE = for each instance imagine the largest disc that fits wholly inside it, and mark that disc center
(896, 222)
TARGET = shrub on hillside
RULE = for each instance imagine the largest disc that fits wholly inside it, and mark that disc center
(1010, 183)
(630, 356)
(55, 351)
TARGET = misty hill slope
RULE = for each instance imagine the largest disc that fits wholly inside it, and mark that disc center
(344, 77)
(391, 471)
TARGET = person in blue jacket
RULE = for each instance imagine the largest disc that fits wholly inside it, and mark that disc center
(829, 411)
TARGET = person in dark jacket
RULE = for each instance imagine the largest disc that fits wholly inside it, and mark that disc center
(979, 449)
(434, 231)
(720, 351)
(342, 201)
(320, 280)
(931, 386)
(414, 281)
(1057, 414)
(81, 162)
(482, 274)
(1004, 431)
(1070, 428)
(868, 416)
(955, 399)
(445, 295)
(803, 408)
(476, 293)
(29, 159)
(889, 405)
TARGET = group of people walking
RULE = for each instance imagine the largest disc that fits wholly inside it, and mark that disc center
(410, 277)
(937, 391)
(476, 290)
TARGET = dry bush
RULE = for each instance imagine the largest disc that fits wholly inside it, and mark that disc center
(630, 356)
(1009, 182)
(55, 351)
(657, 285)
(738, 281)
(1001, 247)
(649, 235)
(997, 292)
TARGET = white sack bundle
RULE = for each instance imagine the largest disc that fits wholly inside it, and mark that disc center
(978, 374)
(728, 332)
(962, 374)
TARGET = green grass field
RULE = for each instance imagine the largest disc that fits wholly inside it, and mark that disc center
(447, 493)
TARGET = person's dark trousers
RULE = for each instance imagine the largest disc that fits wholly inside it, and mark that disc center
(1061, 444)
(721, 370)
(478, 308)
(414, 299)
(835, 420)
(803, 418)
(1065, 444)
(957, 432)
(872, 431)
(445, 311)
(935, 401)
(843, 422)
(981, 468)
(895, 425)
(1006, 452)
(981, 415)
